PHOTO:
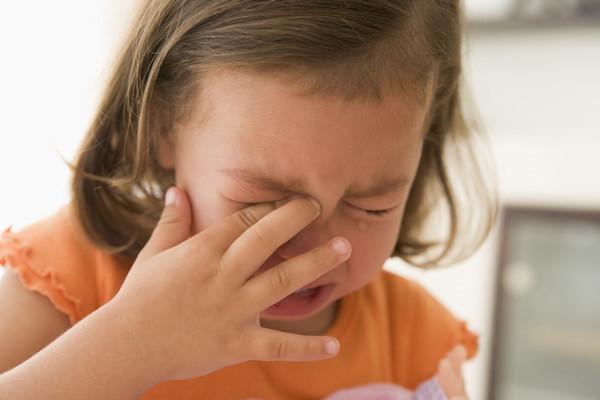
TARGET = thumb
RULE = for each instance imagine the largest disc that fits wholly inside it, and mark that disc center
(174, 225)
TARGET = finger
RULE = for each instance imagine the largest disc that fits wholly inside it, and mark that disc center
(273, 345)
(174, 225)
(225, 231)
(457, 357)
(450, 380)
(272, 285)
(248, 252)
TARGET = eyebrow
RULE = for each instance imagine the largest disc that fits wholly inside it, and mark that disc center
(381, 186)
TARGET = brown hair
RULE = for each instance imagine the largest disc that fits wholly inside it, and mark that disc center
(358, 49)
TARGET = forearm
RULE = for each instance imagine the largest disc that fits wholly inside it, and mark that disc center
(98, 358)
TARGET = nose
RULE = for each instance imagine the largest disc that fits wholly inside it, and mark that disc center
(304, 241)
(315, 234)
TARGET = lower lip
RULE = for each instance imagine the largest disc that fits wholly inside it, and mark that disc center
(296, 306)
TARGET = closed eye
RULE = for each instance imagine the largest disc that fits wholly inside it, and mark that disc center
(376, 213)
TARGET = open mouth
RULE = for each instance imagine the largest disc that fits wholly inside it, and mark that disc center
(301, 302)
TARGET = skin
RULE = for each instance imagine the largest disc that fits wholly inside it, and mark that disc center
(450, 374)
(253, 122)
(207, 241)
(199, 334)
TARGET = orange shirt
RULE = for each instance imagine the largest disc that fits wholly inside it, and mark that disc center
(391, 330)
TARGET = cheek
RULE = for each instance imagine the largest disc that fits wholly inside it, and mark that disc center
(370, 248)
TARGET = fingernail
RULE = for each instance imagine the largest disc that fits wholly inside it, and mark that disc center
(317, 205)
(281, 202)
(332, 347)
(170, 196)
(339, 246)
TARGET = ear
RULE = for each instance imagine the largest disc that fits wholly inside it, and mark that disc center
(165, 153)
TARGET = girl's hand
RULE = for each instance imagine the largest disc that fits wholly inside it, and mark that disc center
(450, 374)
(189, 302)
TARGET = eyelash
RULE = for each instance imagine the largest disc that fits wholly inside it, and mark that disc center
(375, 213)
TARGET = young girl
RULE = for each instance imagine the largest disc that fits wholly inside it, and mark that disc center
(241, 287)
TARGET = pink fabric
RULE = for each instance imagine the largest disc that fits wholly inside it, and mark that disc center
(429, 390)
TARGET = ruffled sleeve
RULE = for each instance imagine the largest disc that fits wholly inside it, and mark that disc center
(51, 257)
(468, 339)
(18, 256)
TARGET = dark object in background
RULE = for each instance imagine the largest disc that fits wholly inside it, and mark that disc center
(547, 316)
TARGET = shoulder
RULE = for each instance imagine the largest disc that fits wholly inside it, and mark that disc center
(428, 329)
(53, 257)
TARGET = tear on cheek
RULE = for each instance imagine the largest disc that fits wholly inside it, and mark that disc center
(362, 226)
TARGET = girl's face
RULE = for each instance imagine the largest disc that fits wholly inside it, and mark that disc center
(251, 140)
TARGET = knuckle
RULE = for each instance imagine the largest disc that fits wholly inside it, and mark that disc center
(280, 278)
(186, 252)
(210, 239)
(214, 274)
(240, 345)
(278, 350)
(261, 233)
(247, 217)
(169, 218)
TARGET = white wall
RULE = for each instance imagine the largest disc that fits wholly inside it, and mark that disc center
(538, 92)
(54, 61)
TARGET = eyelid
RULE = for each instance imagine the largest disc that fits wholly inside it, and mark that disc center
(375, 213)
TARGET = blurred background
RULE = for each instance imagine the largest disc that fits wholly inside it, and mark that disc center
(532, 291)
